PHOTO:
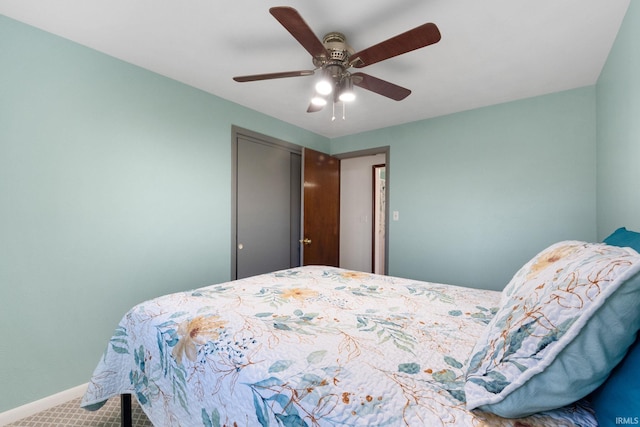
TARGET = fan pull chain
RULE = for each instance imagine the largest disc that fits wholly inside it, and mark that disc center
(333, 112)
(344, 109)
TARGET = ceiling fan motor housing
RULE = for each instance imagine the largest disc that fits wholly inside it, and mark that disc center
(339, 53)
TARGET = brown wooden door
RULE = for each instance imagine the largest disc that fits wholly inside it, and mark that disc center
(321, 212)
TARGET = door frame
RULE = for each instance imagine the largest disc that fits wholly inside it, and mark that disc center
(386, 150)
(375, 218)
(236, 132)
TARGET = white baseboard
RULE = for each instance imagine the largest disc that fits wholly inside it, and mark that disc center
(13, 415)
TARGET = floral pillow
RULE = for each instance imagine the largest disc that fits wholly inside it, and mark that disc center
(566, 319)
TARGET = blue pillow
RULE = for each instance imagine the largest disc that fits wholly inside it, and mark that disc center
(625, 238)
(617, 401)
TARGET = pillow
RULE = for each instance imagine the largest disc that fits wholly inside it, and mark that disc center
(566, 319)
(619, 397)
(624, 237)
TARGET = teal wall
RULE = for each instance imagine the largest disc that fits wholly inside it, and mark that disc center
(480, 192)
(618, 129)
(115, 187)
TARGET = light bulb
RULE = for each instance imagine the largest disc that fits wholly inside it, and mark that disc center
(347, 96)
(324, 87)
(319, 101)
(346, 90)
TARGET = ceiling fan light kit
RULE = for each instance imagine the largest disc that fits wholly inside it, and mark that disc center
(325, 83)
(346, 93)
(334, 58)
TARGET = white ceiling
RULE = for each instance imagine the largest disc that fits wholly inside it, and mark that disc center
(492, 51)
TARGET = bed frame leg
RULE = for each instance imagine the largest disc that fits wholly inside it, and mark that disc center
(125, 410)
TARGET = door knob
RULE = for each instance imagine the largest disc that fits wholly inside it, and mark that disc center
(306, 241)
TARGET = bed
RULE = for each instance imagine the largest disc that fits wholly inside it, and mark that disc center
(324, 346)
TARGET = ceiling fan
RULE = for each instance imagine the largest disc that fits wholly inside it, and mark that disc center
(334, 58)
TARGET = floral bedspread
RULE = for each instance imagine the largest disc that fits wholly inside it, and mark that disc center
(310, 346)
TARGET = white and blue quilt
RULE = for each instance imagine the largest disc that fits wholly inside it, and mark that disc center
(310, 346)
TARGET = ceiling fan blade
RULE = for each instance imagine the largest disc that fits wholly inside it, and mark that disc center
(293, 22)
(379, 86)
(270, 76)
(313, 108)
(419, 37)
